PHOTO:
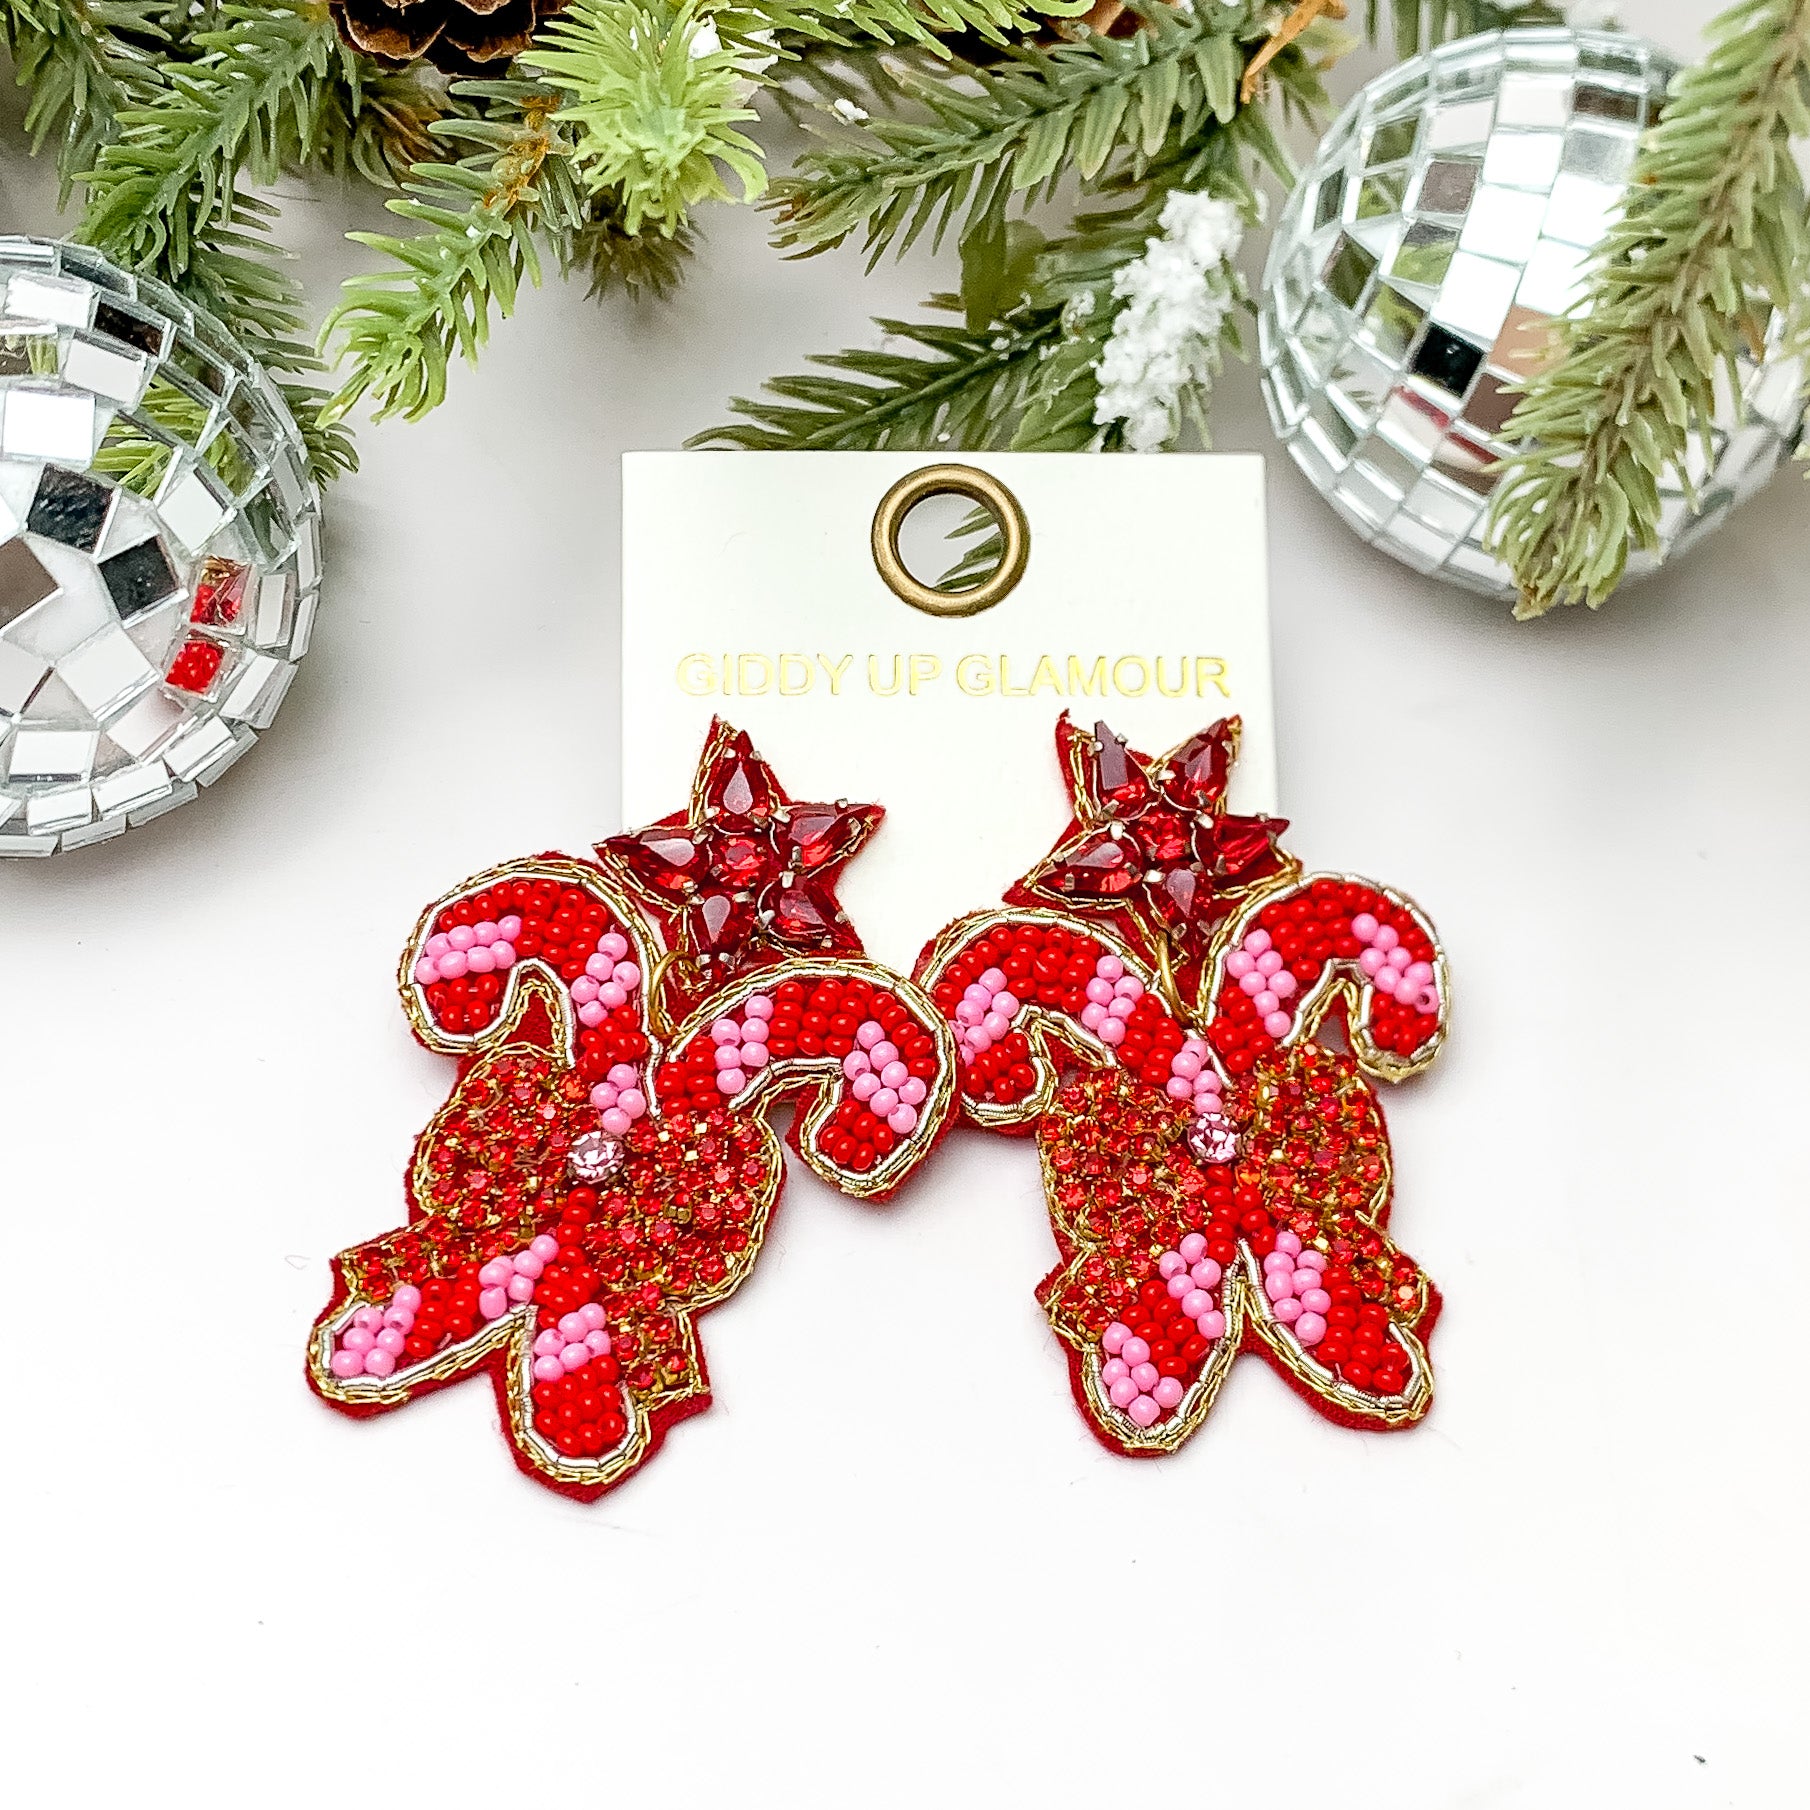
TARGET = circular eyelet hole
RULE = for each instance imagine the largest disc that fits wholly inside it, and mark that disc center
(1009, 529)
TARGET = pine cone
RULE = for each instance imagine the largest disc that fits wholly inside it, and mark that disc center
(462, 37)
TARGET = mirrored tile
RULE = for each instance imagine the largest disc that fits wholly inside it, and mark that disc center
(1477, 296)
(43, 756)
(147, 724)
(21, 673)
(131, 787)
(1556, 277)
(1599, 156)
(139, 578)
(1503, 224)
(1446, 360)
(191, 508)
(48, 424)
(32, 296)
(105, 671)
(130, 325)
(24, 581)
(1523, 160)
(1538, 101)
(1581, 209)
(1446, 186)
(120, 376)
(61, 809)
(29, 349)
(1461, 127)
(1391, 321)
(70, 508)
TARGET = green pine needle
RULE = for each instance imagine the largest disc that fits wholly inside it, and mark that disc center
(652, 101)
(1714, 238)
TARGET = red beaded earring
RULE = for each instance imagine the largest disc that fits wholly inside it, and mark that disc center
(603, 1171)
(1185, 1021)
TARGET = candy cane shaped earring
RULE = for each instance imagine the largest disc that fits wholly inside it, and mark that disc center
(1185, 1021)
(603, 1171)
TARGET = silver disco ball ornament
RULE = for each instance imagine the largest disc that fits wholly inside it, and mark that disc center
(159, 549)
(1449, 215)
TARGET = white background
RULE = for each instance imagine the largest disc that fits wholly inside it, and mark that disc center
(890, 1566)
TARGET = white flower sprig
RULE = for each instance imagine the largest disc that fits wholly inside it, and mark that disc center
(1165, 339)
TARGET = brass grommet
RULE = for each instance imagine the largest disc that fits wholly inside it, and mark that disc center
(951, 480)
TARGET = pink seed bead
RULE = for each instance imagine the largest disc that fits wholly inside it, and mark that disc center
(613, 945)
(1386, 937)
(894, 1075)
(1239, 964)
(611, 997)
(574, 1356)
(1122, 1393)
(1288, 1243)
(584, 990)
(1211, 1326)
(1283, 984)
(759, 1006)
(1306, 1279)
(854, 1063)
(1168, 1393)
(1179, 1087)
(1171, 1263)
(617, 1122)
(1113, 1370)
(1252, 984)
(882, 1102)
(1196, 1301)
(357, 1338)
(1417, 974)
(627, 975)
(1099, 991)
(864, 1087)
(993, 980)
(1314, 1298)
(1288, 1310)
(725, 1030)
(869, 1034)
(460, 937)
(1426, 1001)
(1112, 1030)
(345, 1363)
(1179, 1285)
(597, 1343)
(754, 1055)
(509, 928)
(1266, 1002)
(996, 1025)
(728, 1081)
(1128, 987)
(1134, 1351)
(1310, 1329)
(1112, 1340)
(544, 1247)
(548, 1344)
(1194, 1246)
(599, 967)
(728, 1055)
(1186, 1064)
(1145, 1375)
(913, 1093)
(1144, 1410)
(548, 1370)
(1363, 926)
(502, 956)
(390, 1340)
(451, 965)
(572, 1329)
(379, 1363)
(592, 1315)
(754, 1030)
(1278, 1025)
(1093, 1016)
(903, 1119)
(882, 1053)
(436, 944)
(1311, 1259)
(525, 1263)
(593, 1015)
(1257, 941)
(519, 1288)
(484, 934)
(1279, 1287)
(1279, 1260)
(604, 1096)
(1268, 963)
(409, 1296)
(496, 1272)
(479, 961)
(1109, 967)
(427, 971)
(1206, 1273)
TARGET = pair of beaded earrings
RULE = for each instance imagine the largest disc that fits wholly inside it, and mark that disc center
(1181, 1017)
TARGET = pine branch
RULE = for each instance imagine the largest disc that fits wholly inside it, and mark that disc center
(1098, 105)
(85, 63)
(1713, 238)
(253, 101)
(652, 101)
(372, 122)
(1418, 25)
(954, 386)
(853, 24)
(399, 328)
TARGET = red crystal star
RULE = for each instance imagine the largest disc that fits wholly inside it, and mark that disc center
(747, 874)
(1153, 836)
